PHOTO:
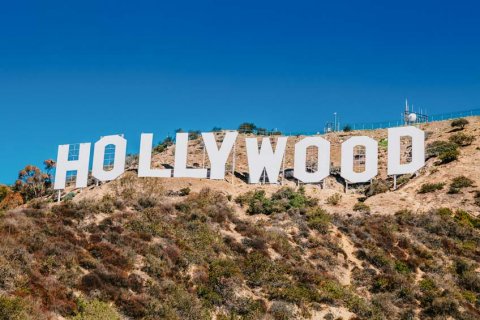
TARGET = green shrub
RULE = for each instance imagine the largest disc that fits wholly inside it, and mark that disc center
(385, 282)
(12, 309)
(383, 143)
(162, 146)
(95, 310)
(318, 219)
(361, 207)
(402, 267)
(247, 309)
(69, 196)
(444, 150)
(462, 139)
(246, 128)
(295, 293)
(459, 183)
(448, 156)
(334, 199)
(427, 285)
(217, 290)
(281, 201)
(376, 187)
(459, 123)
(259, 270)
(281, 311)
(256, 201)
(184, 192)
(289, 198)
(404, 178)
(445, 305)
(194, 135)
(466, 219)
(431, 187)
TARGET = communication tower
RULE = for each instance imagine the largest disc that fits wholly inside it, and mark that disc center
(410, 117)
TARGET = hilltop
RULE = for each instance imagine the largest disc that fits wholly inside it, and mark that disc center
(144, 248)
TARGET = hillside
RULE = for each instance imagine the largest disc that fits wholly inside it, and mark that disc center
(200, 249)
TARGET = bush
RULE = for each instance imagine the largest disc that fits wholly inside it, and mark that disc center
(184, 192)
(217, 288)
(459, 123)
(11, 201)
(95, 310)
(257, 202)
(334, 199)
(404, 178)
(162, 146)
(318, 219)
(448, 156)
(194, 135)
(281, 310)
(259, 270)
(466, 219)
(347, 128)
(361, 207)
(462, 139)
(376, 187)
(287, 198)
(444, 150)
(431, 187)
(246, 128)
(459, 183)
(11, 309)
(4, 190)
(442, 306)
(281, 201)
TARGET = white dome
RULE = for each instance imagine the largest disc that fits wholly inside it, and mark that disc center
(412, 117)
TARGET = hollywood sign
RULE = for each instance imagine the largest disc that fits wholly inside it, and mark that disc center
(260, 159)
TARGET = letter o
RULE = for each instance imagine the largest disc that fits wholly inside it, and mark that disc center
(371, 159)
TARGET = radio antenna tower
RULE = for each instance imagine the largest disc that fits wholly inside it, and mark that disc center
(410, 117)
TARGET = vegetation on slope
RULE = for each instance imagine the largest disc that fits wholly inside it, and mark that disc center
(190, 257)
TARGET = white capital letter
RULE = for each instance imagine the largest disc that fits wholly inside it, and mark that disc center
(323, 162)
(80, 165)
(180, 170)
(218, 157)
(418, 150)
(145, 159)
(371, 159)
(265, 159)
(98, 170)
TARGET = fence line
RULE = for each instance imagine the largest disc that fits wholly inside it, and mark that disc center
(398, 123)
(370, 125)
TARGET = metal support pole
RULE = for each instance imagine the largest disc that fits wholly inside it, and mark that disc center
(233, 161)
(334, 121)
(59, 196)
(346, 186)
(283, 169)
(394, 182)
(203, 159)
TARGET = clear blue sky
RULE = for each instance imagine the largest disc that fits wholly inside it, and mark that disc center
(71, 72)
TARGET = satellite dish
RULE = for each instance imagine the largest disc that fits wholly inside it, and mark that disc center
(412, 117)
